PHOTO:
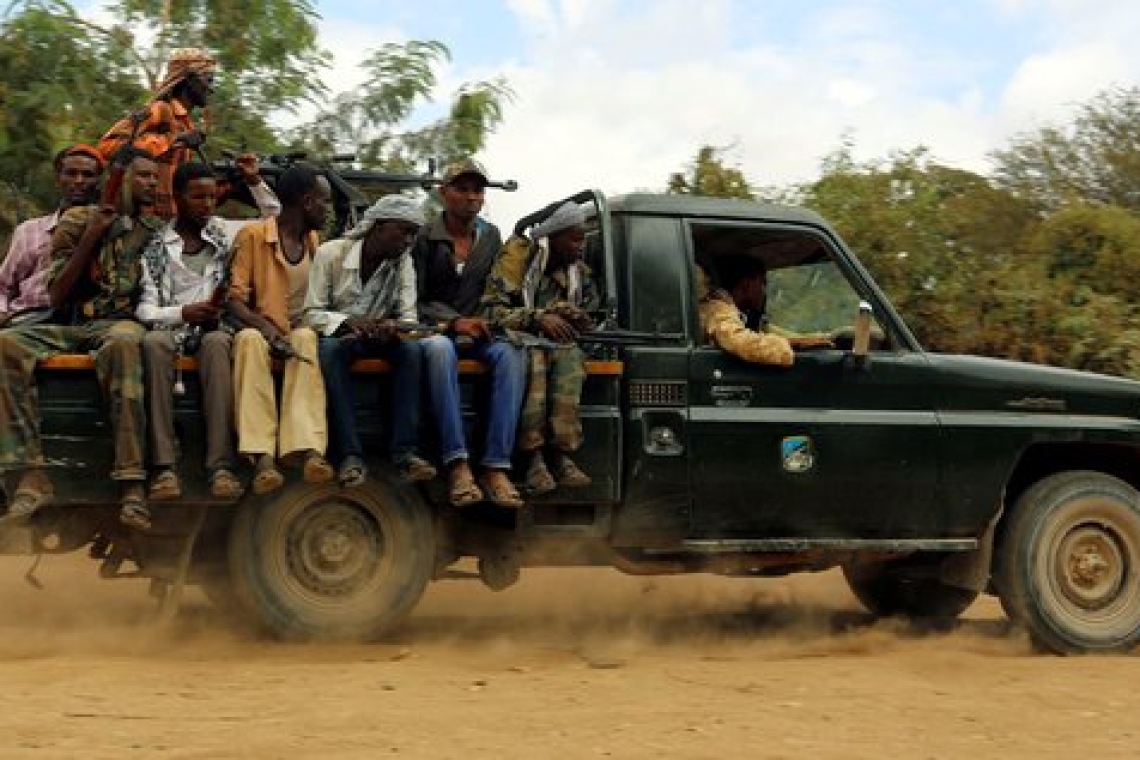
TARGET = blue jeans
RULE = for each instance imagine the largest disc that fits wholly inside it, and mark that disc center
(508, 382)
(406, 358)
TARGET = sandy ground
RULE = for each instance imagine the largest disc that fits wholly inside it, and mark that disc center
(575, 664)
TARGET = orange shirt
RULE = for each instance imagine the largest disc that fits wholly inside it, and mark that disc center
(165, 120)
(260, 272)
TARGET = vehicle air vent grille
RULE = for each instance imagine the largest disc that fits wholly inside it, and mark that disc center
(649, 393)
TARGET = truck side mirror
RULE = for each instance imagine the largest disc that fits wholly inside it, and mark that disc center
(861, 344)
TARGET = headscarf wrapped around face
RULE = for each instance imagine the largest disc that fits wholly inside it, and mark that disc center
(395, 207)
(184, 62)
(567, 215)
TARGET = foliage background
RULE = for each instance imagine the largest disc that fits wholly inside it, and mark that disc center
(1040, 260)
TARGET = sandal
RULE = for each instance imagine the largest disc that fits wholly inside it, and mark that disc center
(133, 513)
(571, 475)
(25, 503)
(316, 468)
(266, 476)
(225, 485)
(352, 472)
(501, 491)
(538, 477)
(413, 469)
(464, 491)
(165, 486)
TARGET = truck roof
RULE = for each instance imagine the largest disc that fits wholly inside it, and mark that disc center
(727, 208)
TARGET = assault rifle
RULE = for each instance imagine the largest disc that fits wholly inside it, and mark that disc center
(353, 190)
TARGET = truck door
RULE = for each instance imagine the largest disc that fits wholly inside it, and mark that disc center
(827, 448)
(656, 508)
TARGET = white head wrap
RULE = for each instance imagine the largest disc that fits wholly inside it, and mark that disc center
(564, 217)
(395, 207)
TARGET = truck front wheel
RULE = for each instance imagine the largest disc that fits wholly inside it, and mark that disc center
(1068, 563)
(908, 587)
(329, 563)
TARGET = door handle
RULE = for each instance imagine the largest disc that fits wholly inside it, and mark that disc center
(663, 441)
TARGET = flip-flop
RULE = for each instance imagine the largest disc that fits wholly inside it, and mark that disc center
(571, 475)
(165, 486)
(464, 491)
(25, 503)
(352, 472)
(316, 469)
(225, 485)
(266, 476)
(415, 469)
(538, 477)
(504, 495)
(134, 514)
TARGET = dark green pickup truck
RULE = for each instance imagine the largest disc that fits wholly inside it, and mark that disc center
(928, 478)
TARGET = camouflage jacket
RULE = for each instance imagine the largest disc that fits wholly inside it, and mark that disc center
(112, 287)
(504, 302)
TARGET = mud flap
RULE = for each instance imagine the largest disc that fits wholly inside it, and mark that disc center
(971, 570)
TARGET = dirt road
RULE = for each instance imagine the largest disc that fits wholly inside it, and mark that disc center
(574, 664)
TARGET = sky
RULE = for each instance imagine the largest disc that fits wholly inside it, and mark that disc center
(618, 94)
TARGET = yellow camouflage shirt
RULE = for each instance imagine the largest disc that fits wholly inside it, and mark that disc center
(723, 325)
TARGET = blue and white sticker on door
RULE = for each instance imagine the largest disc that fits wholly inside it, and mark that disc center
(797, 454)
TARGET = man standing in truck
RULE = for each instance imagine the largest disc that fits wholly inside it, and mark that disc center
(184, 268)
(358, 288)
(453, 256)
(24, 296)
(93, 284)
(167, 130)
(544, 289)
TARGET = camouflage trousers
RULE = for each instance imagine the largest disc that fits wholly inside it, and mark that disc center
(555, 376)
(118, 368)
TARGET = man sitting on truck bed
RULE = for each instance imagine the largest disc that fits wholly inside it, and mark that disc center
(744, 280)
(24, 297)
(541, 286)
(270, 279)
(94, 283)
(185, 274)
(356, 286)
(453, 257)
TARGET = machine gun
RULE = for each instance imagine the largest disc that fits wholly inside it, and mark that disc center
(353, 190)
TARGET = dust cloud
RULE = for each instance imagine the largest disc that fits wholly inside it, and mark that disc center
(568, 663)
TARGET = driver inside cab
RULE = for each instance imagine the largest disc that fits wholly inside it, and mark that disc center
(744, 282)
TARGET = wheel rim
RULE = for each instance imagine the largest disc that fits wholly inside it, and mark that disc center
(1089, 570)
(332, 552)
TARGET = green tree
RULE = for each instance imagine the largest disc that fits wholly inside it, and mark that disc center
(939, 240)
(708, 175)
(371, 121)
(68, 78)
(1095, 158)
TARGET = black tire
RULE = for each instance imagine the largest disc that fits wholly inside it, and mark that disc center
(1068, 564)
(908, 587)
(321, 562)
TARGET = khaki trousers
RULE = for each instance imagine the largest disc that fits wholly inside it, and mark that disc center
(215, 376)
(303, 425)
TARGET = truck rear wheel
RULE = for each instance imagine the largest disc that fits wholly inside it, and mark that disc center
(330, 563)
(1068, 564)
(908, 587)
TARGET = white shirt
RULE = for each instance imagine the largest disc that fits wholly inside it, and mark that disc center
(336, 291)
(177, 285)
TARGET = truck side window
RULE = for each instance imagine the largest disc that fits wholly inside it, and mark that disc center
(808, 291)
(658, 277)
